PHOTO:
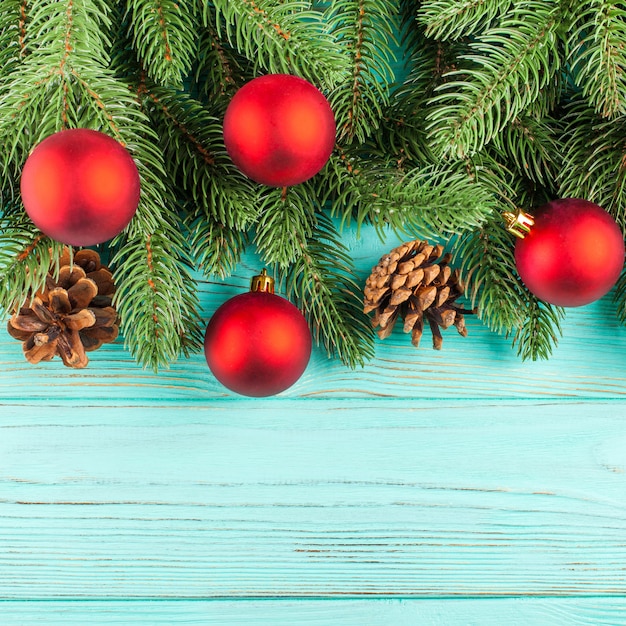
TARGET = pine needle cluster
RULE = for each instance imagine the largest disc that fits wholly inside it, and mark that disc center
(449, 112)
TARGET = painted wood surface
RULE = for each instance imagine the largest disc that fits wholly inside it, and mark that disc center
(452, 487)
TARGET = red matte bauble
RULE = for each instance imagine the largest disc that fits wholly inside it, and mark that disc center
(257, 344)
(80, 187)
(573, 254)
(279, 130)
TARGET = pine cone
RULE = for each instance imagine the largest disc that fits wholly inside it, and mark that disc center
(72, 315)
(410, 282)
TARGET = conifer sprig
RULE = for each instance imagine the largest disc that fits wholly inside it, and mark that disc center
(366, 29)
(504, 71)
(486, 260)
(164, 35)
(597, 44)
(323, 283)
(451, 19)
(279, 37)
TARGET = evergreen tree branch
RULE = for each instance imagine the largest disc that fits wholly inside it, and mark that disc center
(164, 34)
(595, 159)
(279, 36)
(540, 330)
(287, 219)
(193, 144)
(619, 297)
(487, 265)
(532, 144)
(323, 284)
(366, 28)
(598, 55)
(156, 295)
(426, 202)
(451, 19)
(26, 256)
(215, 248)
(506, 70)
(220, 69)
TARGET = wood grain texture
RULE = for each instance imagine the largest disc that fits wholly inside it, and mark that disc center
(451, 500)
(475, 612)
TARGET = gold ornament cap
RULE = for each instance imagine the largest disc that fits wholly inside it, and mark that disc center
(262, 282)
(519, 224)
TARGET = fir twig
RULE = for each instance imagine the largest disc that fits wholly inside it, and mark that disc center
(505, 71)
(487, 266)
(366, 28)
(598, 55)
(164, 34)
(323, 283)
(279, 37)
(451, 19)
(26, 256)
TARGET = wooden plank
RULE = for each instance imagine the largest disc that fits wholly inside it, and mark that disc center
(313, 499)
(474, 612)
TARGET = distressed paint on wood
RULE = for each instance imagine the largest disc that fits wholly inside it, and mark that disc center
(449, 500)
(475, 612)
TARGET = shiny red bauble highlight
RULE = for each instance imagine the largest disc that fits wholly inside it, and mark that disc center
(573, 255)
(257, 344)
(80, 187)
(279, 130)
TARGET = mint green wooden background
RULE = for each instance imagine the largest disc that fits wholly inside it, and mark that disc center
(452, 487)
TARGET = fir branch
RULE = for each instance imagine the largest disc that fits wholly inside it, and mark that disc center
(220, 70)
(164, 34)
(619, 297)
(425, 202)
(366, 28)
(12, 32)
(26, 256)
(594, 159)
(598, 55)
(287, 218)
(323, 283)
(156, 294)
(279, 36)
(193, 144)
(531, 143)
(487, 265)
(451, 19)
(506, 70)
(540, 330)
(215, 248)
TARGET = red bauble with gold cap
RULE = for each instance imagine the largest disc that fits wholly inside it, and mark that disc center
(257, 343)
(573, 253)
(279, 130)
(80, 187)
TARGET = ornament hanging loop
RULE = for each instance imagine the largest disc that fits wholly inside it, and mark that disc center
(262, 282)
(519, 224)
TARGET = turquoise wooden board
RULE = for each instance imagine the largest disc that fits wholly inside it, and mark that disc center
(450, 500)
(475, 612)
(453, 487)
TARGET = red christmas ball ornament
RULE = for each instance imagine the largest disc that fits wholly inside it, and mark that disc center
(80, 187)
(573, 253)
(257, 343)
(279, 130)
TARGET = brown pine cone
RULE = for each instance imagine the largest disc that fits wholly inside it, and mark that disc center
(72, 315)
(414, 281)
